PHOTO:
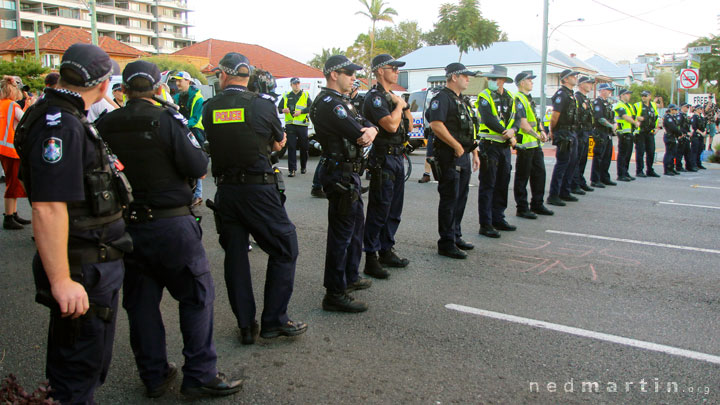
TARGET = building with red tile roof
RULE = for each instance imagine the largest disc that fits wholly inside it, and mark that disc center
(278, 65)
(53, 44)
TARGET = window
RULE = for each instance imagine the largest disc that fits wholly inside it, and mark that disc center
(9, 24)
(135, 39)
(10, 5)
(135, 23)
(135, 6)
(51, 61)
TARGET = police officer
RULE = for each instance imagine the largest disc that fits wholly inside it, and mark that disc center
(391, 115)
(649, 118)
(452, 121)
(160, 155)
(242, 128)
(683, 143)
(699, 127)
(605, 127)
(530, 162)
(295, 105)
(673, 132)
(77, 193)
(497, 134)
(584, 132)
(343, 134)
(563, 127)
(625, 117)
(357, 99)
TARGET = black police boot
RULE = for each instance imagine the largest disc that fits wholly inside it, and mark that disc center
(578, 191)
(701, 167)
(489, 231)
(669, 173)
(597, 184)
(303, 171)
(342, 302)
(640, 174)
(609, 183)
(390, 258)
(9, 222)
(569, 198)
(526, 213)
(679, 170)
(292, 173)
(692, 169)
(373, 268)
(453, 253)
(248, 335)
(359, 284)
(651, 173)
(587, 188)
(425, 178)
(20, 220)
(317, 192)
(504, 226)
(542, 210)
(461, 244)
(161, 389)
(555, 200)
(623, 178)
(219, 386)
(290, 328)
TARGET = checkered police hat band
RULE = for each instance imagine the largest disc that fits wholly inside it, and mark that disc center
(459, 72)
(236, 71)
(379, 65)
(336, 67)
(86, 74)
(141, 74)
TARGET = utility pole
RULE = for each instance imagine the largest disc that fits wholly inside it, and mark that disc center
(672, 85)
(93, 21)
(37, 41)
(543, 68)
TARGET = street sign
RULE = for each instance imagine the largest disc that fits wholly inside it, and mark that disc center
(699, 49)
(689, 78)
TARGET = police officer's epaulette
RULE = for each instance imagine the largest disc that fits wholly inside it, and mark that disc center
(176, 114)
(53, 117)
(267, 97)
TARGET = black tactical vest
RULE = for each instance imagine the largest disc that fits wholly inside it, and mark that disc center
(333, 146)
(585, 114)
(234, 144)
(465, 134)
(132, 133)
(569, 118)
(107, 190)
(384, 137)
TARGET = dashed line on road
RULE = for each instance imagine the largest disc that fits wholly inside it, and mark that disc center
(689, 205)
(637, 242)
(640, 344)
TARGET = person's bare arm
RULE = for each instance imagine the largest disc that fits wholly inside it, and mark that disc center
(441, 131)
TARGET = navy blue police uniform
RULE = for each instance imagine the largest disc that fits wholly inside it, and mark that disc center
(683, 143)
(565, 138)
(454, 180)
(645, 142)
(63, 159)
(584, 132)
(697, 141)
(161, 155)
(241, 126)
(603, 115)
(673, 130)
(387, 184)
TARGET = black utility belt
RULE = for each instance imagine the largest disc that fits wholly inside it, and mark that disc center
(491, 142)
(243, 178)
(394, 150)
(349, 165)
(143, 213)
(86, 252)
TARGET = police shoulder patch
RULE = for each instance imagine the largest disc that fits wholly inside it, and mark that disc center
(340, 111)
(179, 117)
(193, 140)
(327, 99)
(377, 102)
(558, 99)
(53, 118)
(52, 150)
(597, 107)
(435, 104)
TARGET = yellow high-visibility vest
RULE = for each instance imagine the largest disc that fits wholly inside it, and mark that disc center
(528, 141)
(485, 131)
(300, 105)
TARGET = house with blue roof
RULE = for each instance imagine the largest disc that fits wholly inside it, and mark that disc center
(621, 75)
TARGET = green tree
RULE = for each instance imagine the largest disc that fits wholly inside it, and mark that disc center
(28, 68)
(657, 91)
(396, 41)
(709, 62)
(376, 10)
(164, 63)
(318, 61)
(463, 25)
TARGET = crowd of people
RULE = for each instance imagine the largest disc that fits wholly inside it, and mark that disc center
(113, 194)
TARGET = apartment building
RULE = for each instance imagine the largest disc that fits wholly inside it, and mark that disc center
(154, 26)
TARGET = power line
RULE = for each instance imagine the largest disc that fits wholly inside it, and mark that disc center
(645, 21)
(671, 4)
(583, 45)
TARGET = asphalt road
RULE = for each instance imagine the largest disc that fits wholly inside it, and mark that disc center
(655, 281)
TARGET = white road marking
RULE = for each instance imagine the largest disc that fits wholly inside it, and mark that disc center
(698, 186)
(640, 344)
(689, 205)
(637, 242)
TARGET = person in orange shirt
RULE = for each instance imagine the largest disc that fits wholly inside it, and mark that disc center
(10, 115)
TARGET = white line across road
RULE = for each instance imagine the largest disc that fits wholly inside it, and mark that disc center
(689, 205)
(637, 242)
(640, 344)
(709, 187)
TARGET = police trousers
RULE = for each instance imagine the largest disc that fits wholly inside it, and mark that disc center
(602, 156)
(244, 209)
(566, 158)
(494, 182)
(169, 254)
(529, 166)
(697, 145)
(670, 151)
(625, 148)
(385, 202)
(453, 187)
(297, 139)
(346, 222)
(644, 151)
(77, 367)
(583, 137)
(683, 151)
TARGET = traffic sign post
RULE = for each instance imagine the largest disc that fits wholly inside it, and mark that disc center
(689, 78)
(699, 49)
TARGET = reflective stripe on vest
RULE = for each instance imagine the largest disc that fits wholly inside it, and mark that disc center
(198, 96)
(7, 147)
(639, 109)
(485, 132)
(624, 127)
(528, 141)
(300, 105)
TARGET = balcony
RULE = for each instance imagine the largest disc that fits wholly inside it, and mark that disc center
(172, 20)
(123, 12)
(175, 4)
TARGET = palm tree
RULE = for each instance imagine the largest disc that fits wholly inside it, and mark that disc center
(376, 11)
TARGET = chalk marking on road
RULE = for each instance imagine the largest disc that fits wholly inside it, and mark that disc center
(637, 242)
(640, 344)
(689, 205)
(699, 186)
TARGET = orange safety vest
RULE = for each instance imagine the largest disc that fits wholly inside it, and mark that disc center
(7, 129)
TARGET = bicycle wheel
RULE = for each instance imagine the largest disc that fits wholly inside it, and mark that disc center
(408, 170)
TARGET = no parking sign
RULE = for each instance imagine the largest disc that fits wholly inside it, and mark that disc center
(689, 78)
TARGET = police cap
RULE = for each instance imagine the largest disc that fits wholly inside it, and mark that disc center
(232, 62)
(525, 74)
(586, 79)
(567, 73)
(117, 86)
(294, 80)
(624, 91)
(141, 69)
(605, 86)
(384, 59)
(458, 69)
(672, 107)
(645, 93)
(90, 65)
(337, 62)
